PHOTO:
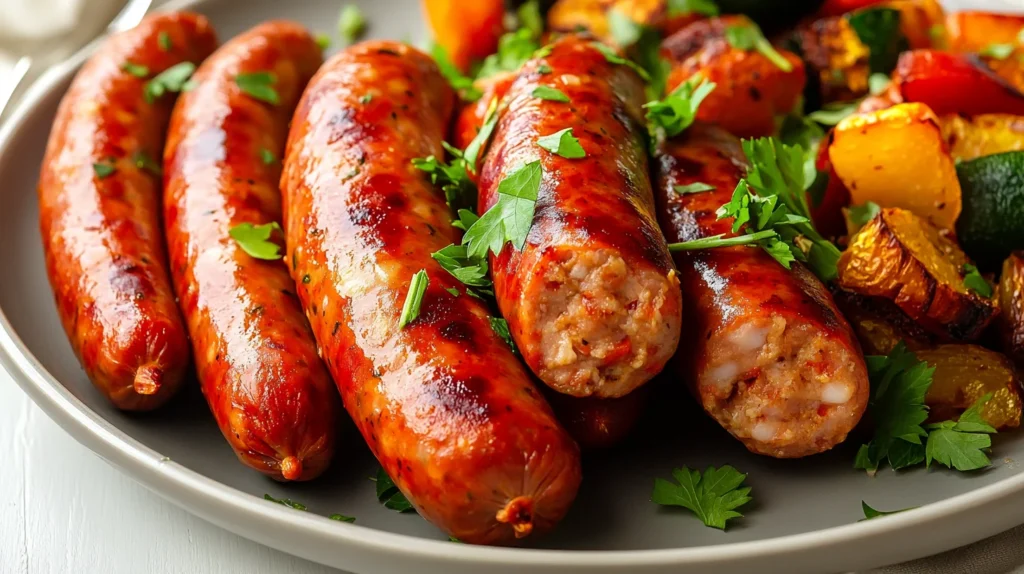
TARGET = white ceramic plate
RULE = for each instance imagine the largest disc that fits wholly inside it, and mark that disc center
(804, 518)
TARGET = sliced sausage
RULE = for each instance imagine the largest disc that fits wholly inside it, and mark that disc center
(445, 406)
(99, 213)
(767, 353)
(254, 350)
(592, 299)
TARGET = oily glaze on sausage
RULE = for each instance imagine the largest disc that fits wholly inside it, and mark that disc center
(767, 352)
(592, 299)
(447, 409)
(99, 213)
(254, 351)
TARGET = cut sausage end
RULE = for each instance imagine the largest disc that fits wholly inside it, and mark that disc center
(148, 379)
(291, 468)
(518, 514)
(782, 388)
(604, 328)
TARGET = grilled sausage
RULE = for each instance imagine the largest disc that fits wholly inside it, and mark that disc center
(592, 299)
(99, 214)
(450, 413)
(596, 423)
(768, 354)
(255, 354)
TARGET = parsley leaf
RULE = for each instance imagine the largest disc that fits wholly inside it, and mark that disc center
(137, 70)
(324, 41)
(470, 271)
(713, 497)
(459, 190)
(550, 94)
(342, 518)
(267, 156)
(625, 32)
(259, 86)
(722, 241)
(997, 51)
(500, 326)
(142, 161)
(459, 81)
(510, 218)
(697, 187)
(687, 7)
(960, 444)
(833, 113)
(870, 513)
(899, 383)
(483, 137)
(613, 57)
(163, 39)
(414, 298)
(879, 30)
(170, 80)
(286, 502)
(529, 16)
(878, 84)
(351, 23)
(514, 49)
(104, 169)
(255, 240)
(389, 495)
(668, 117)
(860, 215)
(749, 37)
(975, 282)
(563, 143)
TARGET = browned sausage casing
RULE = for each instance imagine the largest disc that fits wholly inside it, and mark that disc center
(101, 228)
(450, 413)
(255, 354)
(592, 299)
(768, 353)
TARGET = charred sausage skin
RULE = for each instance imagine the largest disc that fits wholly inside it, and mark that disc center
(592, 299)
(768, 354)
(255, 354)
(99, 213)
(445, 406)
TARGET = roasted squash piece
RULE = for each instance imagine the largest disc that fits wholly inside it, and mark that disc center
(898, 157)
(468, 31)
(879, 324)
(592, 15)
(835, 55)
(987, 134)
(901, 257)
(1011, 303)
(974, 31)
(966, 373)
(750, 89)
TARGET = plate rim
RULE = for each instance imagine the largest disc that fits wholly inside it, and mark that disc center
(166, 477)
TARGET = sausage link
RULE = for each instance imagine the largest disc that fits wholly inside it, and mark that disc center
(592, 299)
(768, 354)
(447, 409)
(99, 214)
(254, 350)
(596, 423)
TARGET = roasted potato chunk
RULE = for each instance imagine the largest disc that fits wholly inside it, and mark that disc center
(901, 257)
(964, 374)
(751, 90)
(1011, 303)
(879, 324)
(898, 157)
(988, 134)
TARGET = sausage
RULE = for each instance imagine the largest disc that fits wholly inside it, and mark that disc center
(592, 299)
(445, 406)
(99, 195)
(596, 423)
(255, 354)
(768, 355)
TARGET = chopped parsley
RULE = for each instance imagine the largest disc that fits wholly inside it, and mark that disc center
(514, 50)
(997, 51)
(259, 86)
(833, 113)
(483, 137)
(625, 32)
(365, 99)
(713, 496)
(563, 143)
(389, 495)
(170, 80)
(878, 28)
(255, 240)
(975, 282)
(351, 23)
(670, 116)
(163, 39)
(142, 161)
(500, 327)
(687, 7)
(613, 57)
(104, 169)
(285, 502)
(529, 17)
(324, 41)
(414, 298)
(878, 84)
(870, 513)
(342, 518)
(860, 215)
(749, 37)
(696, 187)
(267, 156)
(550, 94)
(472, 272)
(961, 444)
(459, 81)
(509, 220)
(459, 190)
(137, 70)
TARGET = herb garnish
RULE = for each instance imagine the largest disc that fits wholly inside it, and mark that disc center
(563, 143)
(170, 80)
(713, 497)
(259, 86)
(749, 37)
(255, 240)
(414, 298)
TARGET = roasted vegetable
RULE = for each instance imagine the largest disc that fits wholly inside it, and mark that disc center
(840, 7)
(595, 16)
(992, 223)
(468, 31)
(987, 134)
(751, 89)
(901, 257)
(954, 84)
(835, 57)
(975, 31)
(879, 324)
(966, 373)
(898, 158)
(1011, 303)
(921, 22)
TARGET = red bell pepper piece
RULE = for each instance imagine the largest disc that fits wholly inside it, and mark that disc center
(840, 7)
(827, 215)
(954, 84)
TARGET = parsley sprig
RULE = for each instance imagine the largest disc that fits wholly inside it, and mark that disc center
(974, 281)
(749, 37)
(389, 495)
(172, 79)
(871, 513)
(255, 240)
(670, 116)
(259, 86)
(713, 496)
